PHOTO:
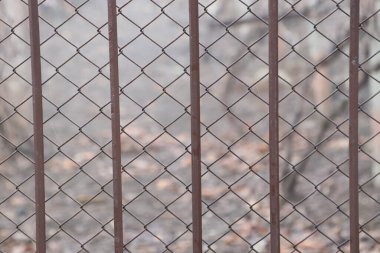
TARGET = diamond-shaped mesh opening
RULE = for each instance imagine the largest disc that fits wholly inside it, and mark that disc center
(154, 70)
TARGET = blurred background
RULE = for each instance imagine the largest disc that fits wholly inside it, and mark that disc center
(155, 122)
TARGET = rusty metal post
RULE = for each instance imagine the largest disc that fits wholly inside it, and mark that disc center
(354, 126)
(37, 126)
(273, 128)
(195, 126)
(115, 117)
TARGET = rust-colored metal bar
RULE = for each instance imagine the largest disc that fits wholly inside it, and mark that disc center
(37, 126)
(115, 118)
(273, 129)
(354, 126)
(195, 127)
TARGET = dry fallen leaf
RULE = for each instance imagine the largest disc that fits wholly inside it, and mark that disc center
(68, 165)
(83, 198)
(314, 244)
(163, 183)
(17, 200)
(23, 247)
(231, 239)
(212, 192)
(166, 184)
(263, 148)
(83, 157)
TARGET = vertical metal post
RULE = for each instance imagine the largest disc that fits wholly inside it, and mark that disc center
(195, 127)
(37, 126)
(115, 117)
(353, 128)
(273, 128)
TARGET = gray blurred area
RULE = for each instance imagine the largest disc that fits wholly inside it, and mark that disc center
(155, 123)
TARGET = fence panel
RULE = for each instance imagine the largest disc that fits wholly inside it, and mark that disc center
(189, 126)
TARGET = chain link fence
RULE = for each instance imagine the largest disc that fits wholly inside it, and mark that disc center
(155, 112)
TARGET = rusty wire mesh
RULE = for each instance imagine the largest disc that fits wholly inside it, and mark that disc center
(155, 106)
